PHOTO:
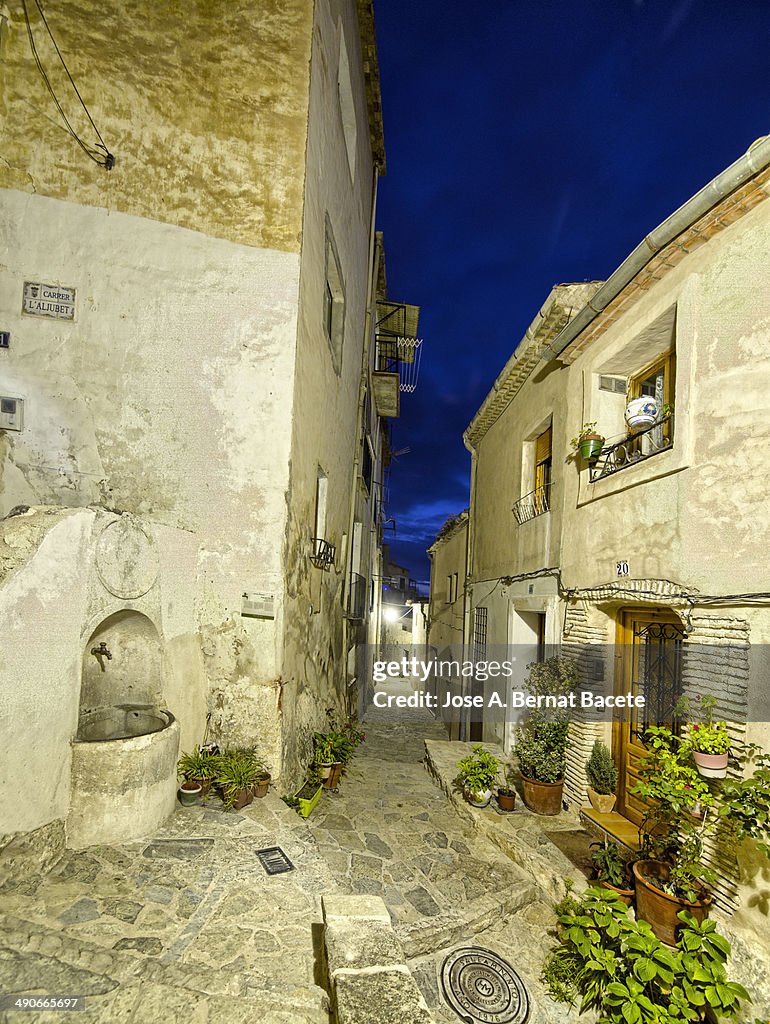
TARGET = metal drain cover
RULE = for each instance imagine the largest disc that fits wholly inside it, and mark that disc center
(274, 860)
(482, 988)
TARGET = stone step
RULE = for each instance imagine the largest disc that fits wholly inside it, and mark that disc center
(34, 957)
(444, 930)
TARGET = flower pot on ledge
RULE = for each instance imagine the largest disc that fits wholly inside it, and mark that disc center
(641, 412)
(601, 802)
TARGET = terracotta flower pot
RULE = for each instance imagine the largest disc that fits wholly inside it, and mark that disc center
(659, 908)
(711, 766)
(601, 802)
(506, 799)
(261, 786)
(243, 798)
(543, 797)
(332, 780)
(205, 785)
(626, 895)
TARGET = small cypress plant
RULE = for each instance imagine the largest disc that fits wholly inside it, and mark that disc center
(601, 770)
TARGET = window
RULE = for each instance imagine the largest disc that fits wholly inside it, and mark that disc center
(334, 303)
(367, 464)
(347, 105)
(451, 588)
(543, 471)
(479, 634)
(323, 551)
(657, 381)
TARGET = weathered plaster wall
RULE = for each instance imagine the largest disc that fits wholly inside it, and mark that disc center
(170, 396)
(203, 105)
(447, 558)
(325, 411)
(58, 571)
(696, 515)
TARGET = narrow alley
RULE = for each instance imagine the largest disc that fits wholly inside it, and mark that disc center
(187, 924)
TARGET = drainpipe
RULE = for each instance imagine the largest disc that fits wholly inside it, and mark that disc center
(756, 159)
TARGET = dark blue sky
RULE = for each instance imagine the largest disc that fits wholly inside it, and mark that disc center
(531, 143)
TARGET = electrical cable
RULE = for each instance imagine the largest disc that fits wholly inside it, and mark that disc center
(106, 160)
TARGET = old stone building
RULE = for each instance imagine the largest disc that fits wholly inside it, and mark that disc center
(651, 555)
(190, 442)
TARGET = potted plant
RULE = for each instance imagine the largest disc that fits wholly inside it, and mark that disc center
(476, 774)
(262, 785)
(308, 796)
(189, 792)
(589, 443)
(200, 766)
(541, 744)
(671, 876)
(709, 741)
(602, 777)
(237, 773)
(641, 412)
(506, 795)
(611, 871)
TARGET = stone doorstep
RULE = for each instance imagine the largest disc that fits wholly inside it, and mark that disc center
(519, 836)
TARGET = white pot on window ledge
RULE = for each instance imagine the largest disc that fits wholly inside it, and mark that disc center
(641, 412)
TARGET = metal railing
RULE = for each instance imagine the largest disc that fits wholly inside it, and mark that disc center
(643, 444)
(533, 504)
(356, 608)
(324, 553)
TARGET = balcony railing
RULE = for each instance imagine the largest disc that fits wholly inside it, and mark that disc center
(356, 608)
(643, 444)
(533, 504)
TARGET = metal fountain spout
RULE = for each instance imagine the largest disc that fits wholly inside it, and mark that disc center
(100, 653)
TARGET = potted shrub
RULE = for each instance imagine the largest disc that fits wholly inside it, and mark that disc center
(541, 744)
(611, 871)
(709, 742)
(589, 443)
(671, 877)
(476, 774)
(602, 778)
(237, 773)
(641, 412)
(200, 766)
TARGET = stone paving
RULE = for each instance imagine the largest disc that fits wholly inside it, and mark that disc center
(188, 926)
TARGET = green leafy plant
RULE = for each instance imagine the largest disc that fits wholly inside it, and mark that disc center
(200, 764)
(744, 808)
(541, 743)
(238, 769)
(671, 785)
(586, 433)
(478, 771)
(618, 967)
(601, 770)
(609, 866)
(705, 736)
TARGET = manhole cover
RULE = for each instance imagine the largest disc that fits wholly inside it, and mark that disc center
(482, 988)
(274, 860)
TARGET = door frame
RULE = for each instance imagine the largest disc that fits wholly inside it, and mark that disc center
(622, 744)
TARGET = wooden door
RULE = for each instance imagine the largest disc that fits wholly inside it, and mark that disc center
(648, 662)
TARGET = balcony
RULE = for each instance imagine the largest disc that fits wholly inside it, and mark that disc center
(642, 445)
(536, 503)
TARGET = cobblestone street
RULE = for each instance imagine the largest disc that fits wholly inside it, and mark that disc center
(187, 925)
